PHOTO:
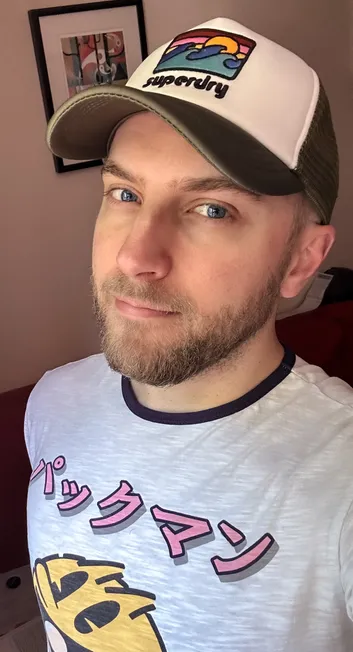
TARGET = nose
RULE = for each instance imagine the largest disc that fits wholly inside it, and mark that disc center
(145, 252)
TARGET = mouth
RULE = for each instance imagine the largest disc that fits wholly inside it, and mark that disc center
(135, 309)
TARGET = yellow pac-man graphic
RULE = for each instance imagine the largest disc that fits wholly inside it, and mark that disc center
(88, 607)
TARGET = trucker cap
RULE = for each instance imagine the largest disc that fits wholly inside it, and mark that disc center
(252, 108)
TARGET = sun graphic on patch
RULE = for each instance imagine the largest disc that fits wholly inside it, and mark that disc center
(209, 51)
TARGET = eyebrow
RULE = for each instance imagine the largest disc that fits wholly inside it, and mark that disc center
(188, 184)
(208, 184)
(110, 167)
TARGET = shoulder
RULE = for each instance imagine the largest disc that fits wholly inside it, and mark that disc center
(62, 395)
(332, 392)
(69, 380)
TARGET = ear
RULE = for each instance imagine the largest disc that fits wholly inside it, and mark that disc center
(314, 245)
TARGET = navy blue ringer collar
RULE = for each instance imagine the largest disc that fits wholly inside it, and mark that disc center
(212, 414)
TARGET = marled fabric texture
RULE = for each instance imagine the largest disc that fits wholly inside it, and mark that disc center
(281, 468)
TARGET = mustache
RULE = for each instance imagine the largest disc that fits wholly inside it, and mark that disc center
(124, 288)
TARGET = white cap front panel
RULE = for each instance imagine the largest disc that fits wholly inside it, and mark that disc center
(258, 85)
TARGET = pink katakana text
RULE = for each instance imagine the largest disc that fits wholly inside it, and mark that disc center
(192, 528)
(128, 501)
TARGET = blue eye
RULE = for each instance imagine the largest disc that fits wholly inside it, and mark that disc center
(213, 211)
(123, 195)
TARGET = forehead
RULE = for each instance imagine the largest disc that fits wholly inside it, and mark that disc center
(150, 138)
(147, 149)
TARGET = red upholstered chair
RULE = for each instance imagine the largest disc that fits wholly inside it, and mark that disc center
(14, 475)
(323, 337)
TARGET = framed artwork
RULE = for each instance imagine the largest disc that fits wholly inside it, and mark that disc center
(84, 45)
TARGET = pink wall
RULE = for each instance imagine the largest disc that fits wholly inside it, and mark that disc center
(47, 219)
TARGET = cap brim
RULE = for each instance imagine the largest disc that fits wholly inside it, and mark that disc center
(81, 129)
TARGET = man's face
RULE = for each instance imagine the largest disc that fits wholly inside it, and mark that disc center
(174, 234)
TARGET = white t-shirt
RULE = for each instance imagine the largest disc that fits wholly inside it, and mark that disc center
(225, 530)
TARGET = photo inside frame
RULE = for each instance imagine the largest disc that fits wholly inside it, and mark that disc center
(80, 47)
(94, 59)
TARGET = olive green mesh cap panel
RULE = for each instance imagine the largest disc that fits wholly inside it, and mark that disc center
(318, 160)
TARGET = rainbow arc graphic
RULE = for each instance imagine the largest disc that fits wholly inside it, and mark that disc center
(209, 51)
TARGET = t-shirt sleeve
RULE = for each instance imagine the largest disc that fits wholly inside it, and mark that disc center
(29, 440)
(32, 416)
(346, 560)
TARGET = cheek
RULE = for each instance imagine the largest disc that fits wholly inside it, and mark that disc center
(103, 253)
(215, 282)
(230, 278)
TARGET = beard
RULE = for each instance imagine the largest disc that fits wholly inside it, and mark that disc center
(168, 351)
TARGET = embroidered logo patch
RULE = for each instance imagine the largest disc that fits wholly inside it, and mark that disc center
(207, 50)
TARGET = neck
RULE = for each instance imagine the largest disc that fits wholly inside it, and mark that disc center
(219, 385)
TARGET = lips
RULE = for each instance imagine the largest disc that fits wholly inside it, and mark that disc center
(135, 310)
(145, 306)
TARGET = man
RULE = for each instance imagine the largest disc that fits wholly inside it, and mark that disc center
(198, 477)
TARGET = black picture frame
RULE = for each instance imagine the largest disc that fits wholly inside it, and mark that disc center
(35, 16)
